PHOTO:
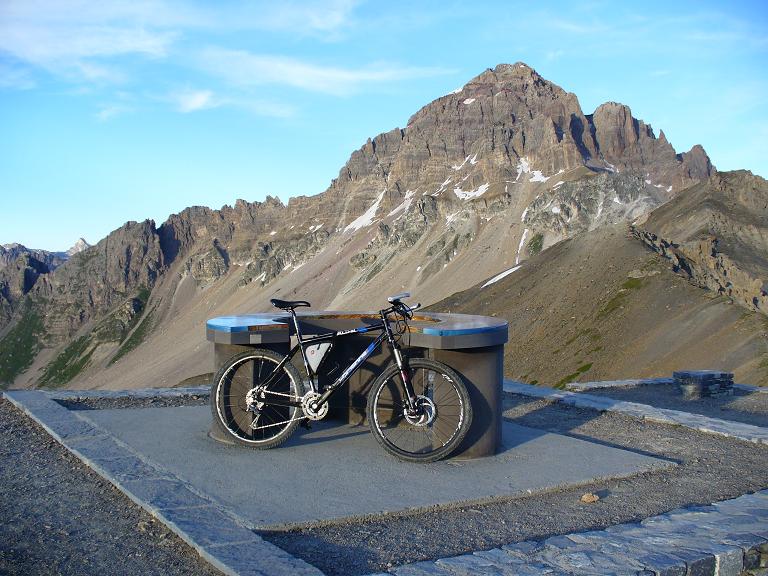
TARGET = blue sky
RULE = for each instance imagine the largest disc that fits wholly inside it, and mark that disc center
(134, 109)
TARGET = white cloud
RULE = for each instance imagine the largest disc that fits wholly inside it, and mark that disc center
(193, 100)
(81, 39)
(298, 17)
(247, 69)
(73, 38)
(48, 32)
(188, 100)
(554, 54)
(110, 111)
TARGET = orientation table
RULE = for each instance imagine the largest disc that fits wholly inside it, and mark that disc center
(471, 345)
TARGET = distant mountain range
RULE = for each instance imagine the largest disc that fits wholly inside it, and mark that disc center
(479, 181)
(20, 267)
(9, 253)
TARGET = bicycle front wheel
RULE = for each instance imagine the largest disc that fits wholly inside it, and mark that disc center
(444, 417)
(252, 399)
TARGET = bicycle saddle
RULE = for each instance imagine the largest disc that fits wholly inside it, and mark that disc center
(288, 304)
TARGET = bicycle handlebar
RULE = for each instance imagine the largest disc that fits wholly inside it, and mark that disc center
(403, 309)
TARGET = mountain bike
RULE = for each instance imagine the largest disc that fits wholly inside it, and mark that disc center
(418, 409)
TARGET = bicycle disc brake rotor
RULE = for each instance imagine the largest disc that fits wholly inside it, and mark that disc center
(313, 413)
(426, 412)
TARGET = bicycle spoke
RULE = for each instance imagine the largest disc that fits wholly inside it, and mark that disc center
(270, 424)
(444, 419)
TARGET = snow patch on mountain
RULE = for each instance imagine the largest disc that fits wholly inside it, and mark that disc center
(466, 195)
(365, 219)
(501, 275)
(520, 247)
(404, 205)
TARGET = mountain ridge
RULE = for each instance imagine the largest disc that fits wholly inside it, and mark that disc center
(478, 179)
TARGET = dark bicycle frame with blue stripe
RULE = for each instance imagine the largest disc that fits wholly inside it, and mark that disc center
(386, 334)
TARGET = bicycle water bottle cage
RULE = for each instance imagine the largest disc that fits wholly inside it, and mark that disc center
(288, 304)
(397, 297)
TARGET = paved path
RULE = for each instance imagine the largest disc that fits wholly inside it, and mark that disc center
(357, 478)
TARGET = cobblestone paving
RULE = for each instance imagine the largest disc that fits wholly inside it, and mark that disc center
(724, 539)
(727, 538)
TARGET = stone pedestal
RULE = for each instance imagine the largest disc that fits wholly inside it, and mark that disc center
(472, 345)
(694, 384)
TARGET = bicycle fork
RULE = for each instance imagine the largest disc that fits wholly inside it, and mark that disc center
(411, 405)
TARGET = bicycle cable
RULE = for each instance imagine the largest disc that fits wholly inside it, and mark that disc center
(401, 325)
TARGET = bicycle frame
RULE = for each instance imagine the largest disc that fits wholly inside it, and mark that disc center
(386, 334)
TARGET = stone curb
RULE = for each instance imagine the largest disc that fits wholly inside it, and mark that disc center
(723, 539)
(137, 393)
(584, 386)
(222, 539)
(738, 430)
(600, 384)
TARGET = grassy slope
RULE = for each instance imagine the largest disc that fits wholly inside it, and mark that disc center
(20, 345)
(578, 312)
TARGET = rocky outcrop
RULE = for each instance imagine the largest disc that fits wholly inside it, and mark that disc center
(9, 253)
(77, 247)
(626, 143)
(703, 264)
(716, 234)
(585, 204)
(90, 283)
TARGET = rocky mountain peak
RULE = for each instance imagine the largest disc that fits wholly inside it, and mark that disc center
(79, 246)
(505, 73)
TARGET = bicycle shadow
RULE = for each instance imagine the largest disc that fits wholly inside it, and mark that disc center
(325, 431)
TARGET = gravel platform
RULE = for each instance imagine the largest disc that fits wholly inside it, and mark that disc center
(59, 517)
(711, 468)
(743, 406)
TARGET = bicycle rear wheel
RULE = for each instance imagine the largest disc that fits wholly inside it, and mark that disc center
(248, 398)
(445, 414)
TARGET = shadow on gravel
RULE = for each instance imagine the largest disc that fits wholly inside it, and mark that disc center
(576, 418)
(328, 555)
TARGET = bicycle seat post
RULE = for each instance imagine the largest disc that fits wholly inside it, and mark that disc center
(296, 324)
